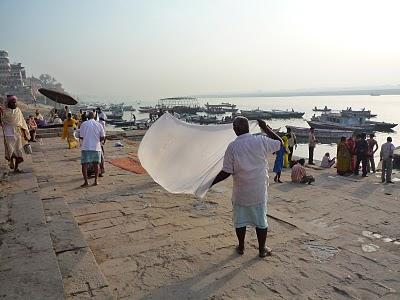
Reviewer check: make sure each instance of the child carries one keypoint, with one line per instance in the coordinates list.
(278, 166)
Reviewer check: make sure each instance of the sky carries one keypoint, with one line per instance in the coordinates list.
(153, 48)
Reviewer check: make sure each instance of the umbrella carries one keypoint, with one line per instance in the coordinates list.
(58, 97)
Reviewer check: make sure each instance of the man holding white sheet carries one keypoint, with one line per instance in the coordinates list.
(246, 160)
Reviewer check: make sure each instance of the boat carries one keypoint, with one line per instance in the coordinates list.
(382, 126)
(180, 105)
(202, 120)
(255, 114)
(358, 113)
(325, 109)
(147, 109)
(341, 121)
(222, 108)
(115, 114)
(285, 114)
(129, 108)
(320, 133)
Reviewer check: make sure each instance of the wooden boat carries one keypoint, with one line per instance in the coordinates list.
(285, 114)
(358, 113)
(223, 107)
(382, 126)
(202, 120)
(320, 133)
(255, 114)
(147, 109)
(341, 121)
(325, 109)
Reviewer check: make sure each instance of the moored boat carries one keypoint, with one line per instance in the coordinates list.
(325, 109)
(341, 121)
(255, 114)
(358, 113)
(320, 133)
(382, 126)
(285, 114)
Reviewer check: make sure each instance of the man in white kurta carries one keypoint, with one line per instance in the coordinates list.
(246, 159)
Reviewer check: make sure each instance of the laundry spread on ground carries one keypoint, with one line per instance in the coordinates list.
(183, 157)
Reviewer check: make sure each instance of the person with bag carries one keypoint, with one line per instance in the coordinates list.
(15, 131)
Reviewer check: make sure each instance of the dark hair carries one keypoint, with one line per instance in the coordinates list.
(389, 139)
(312, 128)
(371, 135)
(363, 135)
(84, 117)
(343, 139)
(302, 161)
(69, 115)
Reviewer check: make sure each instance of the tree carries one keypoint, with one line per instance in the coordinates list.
(47, 80)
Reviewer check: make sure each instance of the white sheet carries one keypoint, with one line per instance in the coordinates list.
(183, 157)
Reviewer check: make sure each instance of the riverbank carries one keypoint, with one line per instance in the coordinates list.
(335, 239)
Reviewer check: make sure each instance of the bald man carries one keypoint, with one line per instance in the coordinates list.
(246, 160)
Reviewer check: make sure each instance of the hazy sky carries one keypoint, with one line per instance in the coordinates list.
(148, 48)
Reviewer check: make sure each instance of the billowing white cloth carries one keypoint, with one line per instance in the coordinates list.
(183, 157)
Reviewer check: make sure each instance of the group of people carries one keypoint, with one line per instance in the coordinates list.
(353, 152)
(284, 160)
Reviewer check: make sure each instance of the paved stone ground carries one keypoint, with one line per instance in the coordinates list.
(28, 264)
(337, 239)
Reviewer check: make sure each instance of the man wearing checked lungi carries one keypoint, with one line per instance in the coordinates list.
(91, 134)
(246, 160)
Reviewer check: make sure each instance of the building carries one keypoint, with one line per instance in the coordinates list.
(12, 76)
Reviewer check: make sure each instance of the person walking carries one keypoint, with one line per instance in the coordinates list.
(15, 130)
(312, 142)
(292, 142)
(246, 160)
(92, 134)
(362, 155)
(387, 160)
(372, 148)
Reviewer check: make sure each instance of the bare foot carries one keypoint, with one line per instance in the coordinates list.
(94, 184)
(265, 252)
(85, 184)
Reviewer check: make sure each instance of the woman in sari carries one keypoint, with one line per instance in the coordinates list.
(69, 131)
(286, 155)
(344, 157)
(351, 145)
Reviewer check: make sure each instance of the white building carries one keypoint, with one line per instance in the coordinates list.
(11, 75)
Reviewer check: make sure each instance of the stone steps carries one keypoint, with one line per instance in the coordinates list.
(80, 272)
(48, 132)
(28, 263)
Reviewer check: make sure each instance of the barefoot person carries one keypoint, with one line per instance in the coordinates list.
(246, 159)
(16, 132)
(299, 173)
(92, 134)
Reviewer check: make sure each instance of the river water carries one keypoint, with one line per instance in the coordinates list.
(386, 107)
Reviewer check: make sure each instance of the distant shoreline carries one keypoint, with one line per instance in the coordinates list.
(376, 92)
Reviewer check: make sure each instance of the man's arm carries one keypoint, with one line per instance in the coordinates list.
(222, 175)
(377, 147)
(268, 131)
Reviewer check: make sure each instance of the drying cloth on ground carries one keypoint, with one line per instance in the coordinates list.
(183, 157)
(130, 163)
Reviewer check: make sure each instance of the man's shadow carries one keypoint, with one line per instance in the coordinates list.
(193, 288)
